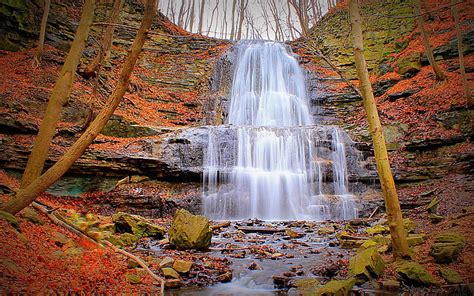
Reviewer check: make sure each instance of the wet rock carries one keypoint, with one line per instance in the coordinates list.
(173, 283)
(390, 285)
(366, 264)
(326, 230)
(450, 276)
(294, 234)
(225, 277)
(280, 281)
(306, 286)
(337, 288)
(447, 247)
(166, 262)
(182, 266)
(255, 266)
(414, 274)
(137, 225)
(31, 215)
(276, 256)
(347, 241)
(190, 231)
(169, 272)
(10, 219)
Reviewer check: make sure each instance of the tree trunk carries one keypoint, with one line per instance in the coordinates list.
(394, 214)
(201, 16)
(191, 21)
(232, 29)
(243, 6)
(44, 22)
(104, 54)
(58, 98)
(27, 194)
(426, 42)
(465, 83)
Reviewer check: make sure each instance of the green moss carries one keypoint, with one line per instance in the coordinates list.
(307, 286)
(414, 273)
(450, 276)
(366, 264)
(337, 288)
(10, 219)
(190, 231)
(447, 247)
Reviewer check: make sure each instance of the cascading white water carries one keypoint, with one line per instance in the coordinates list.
(274, 165)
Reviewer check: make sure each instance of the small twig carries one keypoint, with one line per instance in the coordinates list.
(141, 263)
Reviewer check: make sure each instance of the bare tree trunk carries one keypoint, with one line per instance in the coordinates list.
(426, 42)
(232, 30)
(243, 7)
(44, 22)
(201, 16)
(394, 213)
(465, 83)
(104, 54)
(59, 95)
(191, 22)
(181, 14)
(212, 18)
(28, 194)
(302, 14)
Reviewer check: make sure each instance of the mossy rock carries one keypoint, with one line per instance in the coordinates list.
(414, 274)
(10, 219)
(169, 272)
(29, 214)
(410, 226)
(133, 278)
(415, 239)
(307, 286)
(346, 241)
(381, 243)
(409, 65)
(139, 226)
(366, 264)
(432, 207)
(123, 240)
(435, 218)
(190, 231)
(377, 229)
(337, 288)
(447, 247)
(450, 276)
(182, 266)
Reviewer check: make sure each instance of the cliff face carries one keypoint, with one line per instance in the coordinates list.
(167, 91)
(426, 123)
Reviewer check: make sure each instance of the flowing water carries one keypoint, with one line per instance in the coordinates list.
(277, 164)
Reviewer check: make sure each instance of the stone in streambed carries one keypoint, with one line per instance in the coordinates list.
(166, 262)
(169, 272)
(139, 226)
(294, 234)
(414, 274)
(366, 264)
(190, 231)
(182, 266)
(122, 240)
(306, 286)
(337, 288)
(450, 276)
(447, 247)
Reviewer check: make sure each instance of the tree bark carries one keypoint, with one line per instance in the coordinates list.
(232, 30)
(58, 98)
(44, 22)
(104, 54)
(201, 16)
(243, 6)
(426, 42)
(27, 194)
(465, 83)
(394, 214)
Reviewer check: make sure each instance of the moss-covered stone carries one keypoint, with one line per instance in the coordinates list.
(414, 274)
(432, 207)
(381, 243)
(366, 264)
(123, 240)
(29, 214)
(410, 226)
(447, 247)
(182, 266)
(307, 286)
(133, 278)
(415, 239)
(10, 219)
(377, 229)
(169, 272)
(139, 226)
(435, 218)
(337, 288)
(410, 64)
(190, 231)
(450, 276)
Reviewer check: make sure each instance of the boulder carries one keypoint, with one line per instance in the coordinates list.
(123, 240)
(169, 272)
(139, 226)
(450, 276)
(306, 286)
(166, 262)
(29, 214)
(182, 266)
(447, 247)
(337, 288)
(366, 264)
(414, 274)
(410, 226)
(190, 231)
(415, 239)
(409, 65)
(377, 229)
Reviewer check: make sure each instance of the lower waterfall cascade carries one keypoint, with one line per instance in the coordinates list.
(277, 164)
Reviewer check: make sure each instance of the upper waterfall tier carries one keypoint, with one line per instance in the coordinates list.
(268, 87)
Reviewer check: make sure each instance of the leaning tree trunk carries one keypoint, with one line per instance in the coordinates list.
(465, 83)
(394, 214)
(44, 22)
(93, 66)
(58, 98)
(26, 195)
(426, 42)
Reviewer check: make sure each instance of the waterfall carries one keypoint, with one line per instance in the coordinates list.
(270, 161)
